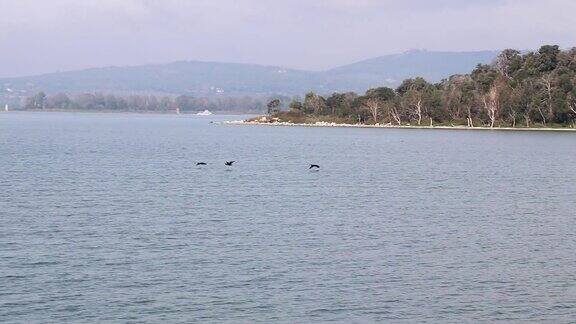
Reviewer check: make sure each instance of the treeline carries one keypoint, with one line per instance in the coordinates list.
(142, 103)
(515, 90)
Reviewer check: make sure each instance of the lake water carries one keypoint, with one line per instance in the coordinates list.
(106, 218)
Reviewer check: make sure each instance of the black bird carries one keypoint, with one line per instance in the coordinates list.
(314, 166)
(229, 163)
(201, 163)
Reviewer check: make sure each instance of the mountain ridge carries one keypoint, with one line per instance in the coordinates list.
(209, 79)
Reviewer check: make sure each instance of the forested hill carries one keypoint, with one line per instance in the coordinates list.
(208, 79)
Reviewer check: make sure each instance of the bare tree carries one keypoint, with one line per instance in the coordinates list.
(546, 81)
(394, 111)
(373, 106)
(512, 115)
(571, 100)
(458, 96)
(527, 119)
(416, 95)
(418, 105)
(571, 104)
(412, 101)
(491, 104)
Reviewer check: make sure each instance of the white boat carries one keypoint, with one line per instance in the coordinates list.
(6, 107)
(204, 113)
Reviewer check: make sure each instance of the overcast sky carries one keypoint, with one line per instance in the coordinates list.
(38, 36)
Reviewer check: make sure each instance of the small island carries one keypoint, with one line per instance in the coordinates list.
(516, 91)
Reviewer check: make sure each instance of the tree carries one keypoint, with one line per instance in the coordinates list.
(547, 58)
(37, 101)
(166, 104)
(373, 106)
(393, 108)
(314, 103)
(273, 106)
(458, 98)
(111, 102)
(567, 59)
(489, 84)
(508, 62)
(525, 103)
(571, 102)
(336, 104)
(185, 103)
(416, 95)
(546, 82)
(382, 93)
(296, 105)
(491, 101)
(376, 101)
(59, 101)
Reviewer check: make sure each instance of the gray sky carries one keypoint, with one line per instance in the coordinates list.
(38, 36)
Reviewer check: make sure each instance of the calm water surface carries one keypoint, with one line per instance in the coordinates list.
(106, 218)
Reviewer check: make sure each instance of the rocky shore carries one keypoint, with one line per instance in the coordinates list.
(265, 121)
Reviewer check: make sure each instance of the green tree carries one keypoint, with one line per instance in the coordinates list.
(547, 58)
(296, 106)
(273, 106)
(508, 62)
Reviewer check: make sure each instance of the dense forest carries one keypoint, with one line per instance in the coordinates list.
(144, 103)
(516, 90)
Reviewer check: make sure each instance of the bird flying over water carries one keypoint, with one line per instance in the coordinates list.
(229, 163)
(201, 163)
(314, 166)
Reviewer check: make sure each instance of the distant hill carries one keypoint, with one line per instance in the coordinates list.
(173, 78)
(391, 70)
(209, 79)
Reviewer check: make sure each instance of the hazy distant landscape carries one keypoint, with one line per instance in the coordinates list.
(510, 89)
(212, 80)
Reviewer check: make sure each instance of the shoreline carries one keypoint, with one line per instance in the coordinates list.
(143, 112)
(327, 124)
